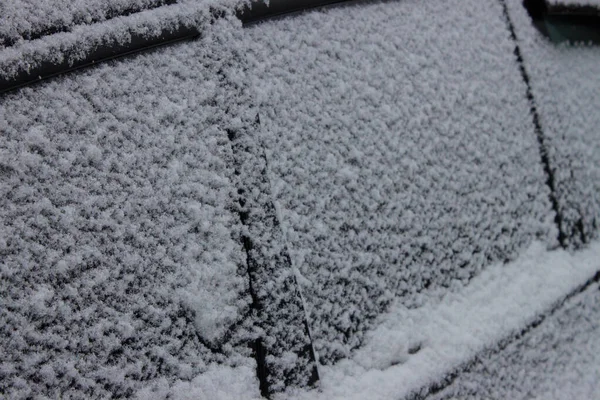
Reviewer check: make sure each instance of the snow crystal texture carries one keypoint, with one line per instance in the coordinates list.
(415, 350)
(82, 41)
(25, 19)
(560, 359)
(121, 258)
(280, 313)
(401, 151)
(565, 82)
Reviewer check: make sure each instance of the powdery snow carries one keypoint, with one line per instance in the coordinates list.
(281, 316)
(558, 360)
(218, 383)
(449, 331)
(78, 43)
(122, 266)
(401, 150)
(565, 81)
(22, 19)
(402, 160)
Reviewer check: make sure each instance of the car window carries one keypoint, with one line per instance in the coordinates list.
(389, 154)
(570, 21)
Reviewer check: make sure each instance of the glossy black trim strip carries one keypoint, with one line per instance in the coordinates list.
(572, 10)
(540, 8)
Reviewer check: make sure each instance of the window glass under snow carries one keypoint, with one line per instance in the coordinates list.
(401, 150)
(122, 265)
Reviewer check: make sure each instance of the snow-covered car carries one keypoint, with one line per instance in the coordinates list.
(225, 199)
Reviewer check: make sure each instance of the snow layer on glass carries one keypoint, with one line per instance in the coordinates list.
(402, 153)
(82, 40)
(558, 360)
(413, 349)
(122, 264)
(565, 82)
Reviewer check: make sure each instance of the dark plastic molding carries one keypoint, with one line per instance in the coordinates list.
(565, 22)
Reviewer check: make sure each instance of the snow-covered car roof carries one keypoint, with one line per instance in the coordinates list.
(364, 198)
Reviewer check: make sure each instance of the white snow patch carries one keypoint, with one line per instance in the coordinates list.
(451, 331)
(558, 359)
(77, 43)
(565, 83)
(401, 150)
(218, 383)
